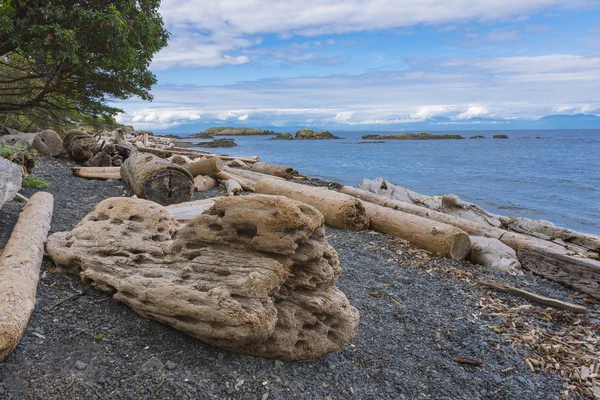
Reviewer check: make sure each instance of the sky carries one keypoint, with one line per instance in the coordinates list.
(371, 64)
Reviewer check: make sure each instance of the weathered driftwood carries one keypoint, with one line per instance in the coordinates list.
(281, 171)
(581, 273)
(205, 166)
(10, 180)
(179, 160)
(395, 192)
(185, 212)
(202, 183)
(232, 187)
(101, 173)
(247, 159)
(253, 274)
(536, 298)
(442, 239)
(237, 163)
(492, 253)
(20, 267)
(246, 184)
(48, 142)
(249, 175)
(340, 210)
(81, 146)
(156, 152)
(159, 180)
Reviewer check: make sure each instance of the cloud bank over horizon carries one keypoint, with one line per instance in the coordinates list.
(371, 63)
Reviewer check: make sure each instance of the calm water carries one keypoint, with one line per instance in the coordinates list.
(556, 178)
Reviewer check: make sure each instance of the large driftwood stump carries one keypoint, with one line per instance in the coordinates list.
(252, 274)
(340, 210)
(20, 268)
(11, 177)
(156, 179)
(48, 143)
(80, 146)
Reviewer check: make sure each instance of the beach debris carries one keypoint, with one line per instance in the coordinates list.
(20, 263)
(253, 274)
(102, 173)
(439, 238)
(340, 210)
(203, 183)
(80, 146)
(275, 170)
(232, 187)
(156, 179)
(47, 142)
(205, 166)
(468, 361)
(536, 298)
(492, 253)
(11, 177)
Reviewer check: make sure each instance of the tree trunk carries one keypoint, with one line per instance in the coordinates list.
(340, 210)
(248, 160)
(275, 170)
(20, 267)
(203, 183)
(48, 143)
(441, 239)
(102, 173)
(253, 274)
(232, 187)
(205, 166)
(156, 152)
(158, 180)
(250, 175)
(80, 146)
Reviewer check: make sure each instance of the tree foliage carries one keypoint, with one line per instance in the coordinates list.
(66, 59)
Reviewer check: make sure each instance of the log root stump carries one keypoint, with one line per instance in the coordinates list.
(48, 142)
(252, 274)
(80, 146)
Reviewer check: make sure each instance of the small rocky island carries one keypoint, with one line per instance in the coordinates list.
(477, 137)
(412, 136)
(500, 137)
(230, 131)
(218, 143)
(306, 134)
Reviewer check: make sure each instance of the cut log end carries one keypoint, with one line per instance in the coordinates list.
(461, 247)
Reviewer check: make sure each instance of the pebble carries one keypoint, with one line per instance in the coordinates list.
(153, 363)
(80, 365)
(171, 365)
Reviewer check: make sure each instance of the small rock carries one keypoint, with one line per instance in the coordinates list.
(279, 363)
(80, 365)
(220, 356)
(153, 363)
(170, 365)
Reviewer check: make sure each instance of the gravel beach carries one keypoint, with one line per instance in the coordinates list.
(418, 313)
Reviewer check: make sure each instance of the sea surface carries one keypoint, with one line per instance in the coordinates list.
(554, 178)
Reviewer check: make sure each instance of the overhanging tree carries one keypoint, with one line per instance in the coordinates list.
(63, 56)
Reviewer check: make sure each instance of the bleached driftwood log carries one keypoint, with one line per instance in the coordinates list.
(102, 173)
(253, 274)
(11, 177)
(246, 184)
(205, 166)
(156, 179)
(48, 142)
(20, 267)
(80, 146)
(340, 210)
(492, 253)
(237, 163)
(281, 171)
(399, 193)
(442, 239)
(202, 183)
(185, 212)
(232, 187)
(249, 175)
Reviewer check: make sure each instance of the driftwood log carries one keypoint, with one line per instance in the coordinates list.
(246, 184)
(253, 274)
(80, 146)
(202, 183)
(48, 142)
(280, 171)
(159, 180)
(442, 239)
(20, 267)
(185, 212)
(232, 187)
(340, 210)
(249, 175)
(492, 253)
(11, 177)
(102, 173)
(205, 166)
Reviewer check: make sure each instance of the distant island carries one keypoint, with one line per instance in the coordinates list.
(306, 134)
(412, 136)
(230, 131)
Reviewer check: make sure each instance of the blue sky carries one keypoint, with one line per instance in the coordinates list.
(366, 64)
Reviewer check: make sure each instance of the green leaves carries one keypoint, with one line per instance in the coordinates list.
(77, 55)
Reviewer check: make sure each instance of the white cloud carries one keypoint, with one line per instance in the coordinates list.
(227, 25)
(577, 109)
(427, 112)
(473, 112)
(243, 117)
(158, 118)
(344, 116)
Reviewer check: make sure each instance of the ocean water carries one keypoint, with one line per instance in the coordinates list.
(555, 178)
